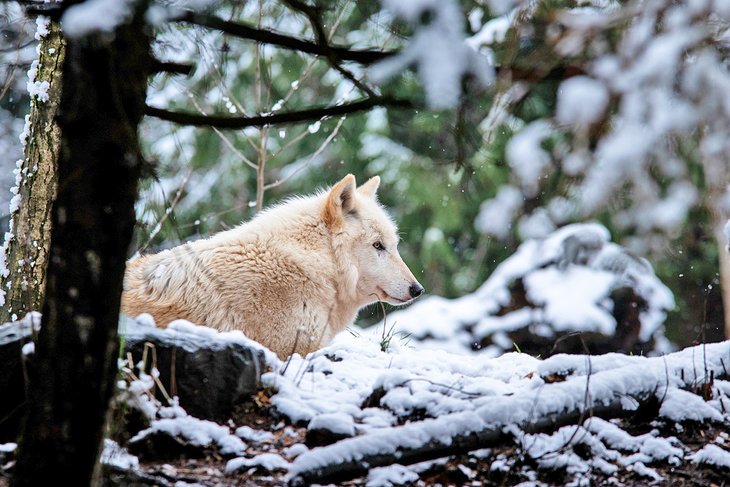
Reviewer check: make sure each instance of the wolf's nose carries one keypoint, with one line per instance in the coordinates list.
(415, 290)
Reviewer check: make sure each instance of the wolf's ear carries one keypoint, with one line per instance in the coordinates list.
(370, 188)
(340, 201)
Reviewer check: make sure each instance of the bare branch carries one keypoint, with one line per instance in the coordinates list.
(168, 212)
(282, 118)
(265, 36)
(313, 14)
(170, 67)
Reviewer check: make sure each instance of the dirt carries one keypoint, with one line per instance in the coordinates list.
(474, 469)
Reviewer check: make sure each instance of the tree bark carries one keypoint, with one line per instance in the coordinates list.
(26, 251)
(724, 262)
(102, 102)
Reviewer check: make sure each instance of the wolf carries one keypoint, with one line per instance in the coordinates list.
(290, 278)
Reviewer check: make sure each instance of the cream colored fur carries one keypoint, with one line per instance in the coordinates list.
(291, 278)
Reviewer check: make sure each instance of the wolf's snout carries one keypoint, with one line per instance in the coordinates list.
(415, 290)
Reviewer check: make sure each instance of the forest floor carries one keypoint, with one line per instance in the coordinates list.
(349, 413)
(345, 416)
(473, 469)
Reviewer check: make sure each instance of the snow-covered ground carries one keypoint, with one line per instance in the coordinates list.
(405, 399)
(566, 413)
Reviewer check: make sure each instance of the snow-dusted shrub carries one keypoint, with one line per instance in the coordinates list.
(574, 282)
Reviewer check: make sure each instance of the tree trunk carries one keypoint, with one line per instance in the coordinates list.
(724, 258)
(102, 102)
(26, 250)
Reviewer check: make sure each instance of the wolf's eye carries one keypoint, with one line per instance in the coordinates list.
(379, 245)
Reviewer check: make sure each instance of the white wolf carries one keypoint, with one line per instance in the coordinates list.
(291, 278)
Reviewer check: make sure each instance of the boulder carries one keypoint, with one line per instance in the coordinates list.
(210, 372)
(16, 347)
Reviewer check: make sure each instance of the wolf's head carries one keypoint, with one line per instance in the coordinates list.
(365, 241)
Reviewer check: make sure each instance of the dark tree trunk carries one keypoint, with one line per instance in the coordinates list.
(102, 101)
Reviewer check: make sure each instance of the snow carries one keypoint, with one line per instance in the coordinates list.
(712, 455)
(188, 335)
(197, 432)
(550, 287)
(465, 394)
(249, 434)
(116, 456)
(28, 349)
(526, 156)
(295, 450)
(95, 16)
(391, 475)
(267, 461)
(437, 49)
(495, 215)
(338, 423)
(622, 125)
(681, 405)
(353, 387)
(645, 471)
(8, 447)
(37, 89)
(537, 224)
(568, 276)
(42, 24)
(493, 31)
(581, 100)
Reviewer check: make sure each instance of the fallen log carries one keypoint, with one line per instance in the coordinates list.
(354, 457)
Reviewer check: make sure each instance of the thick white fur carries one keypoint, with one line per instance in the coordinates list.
(291, 278)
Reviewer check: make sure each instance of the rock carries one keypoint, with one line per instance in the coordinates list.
(573, 291)
(329, 428)
(210, 375)
(14, 340)
(162, 446)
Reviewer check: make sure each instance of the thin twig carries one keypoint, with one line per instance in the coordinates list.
(225, 139)
(324, 144)
(312, 13)
(168, 212)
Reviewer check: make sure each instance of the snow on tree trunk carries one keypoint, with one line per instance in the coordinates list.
(26, 244)
(70, 386)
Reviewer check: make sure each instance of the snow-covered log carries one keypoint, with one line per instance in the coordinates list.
(484, 402)
(324, 466)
